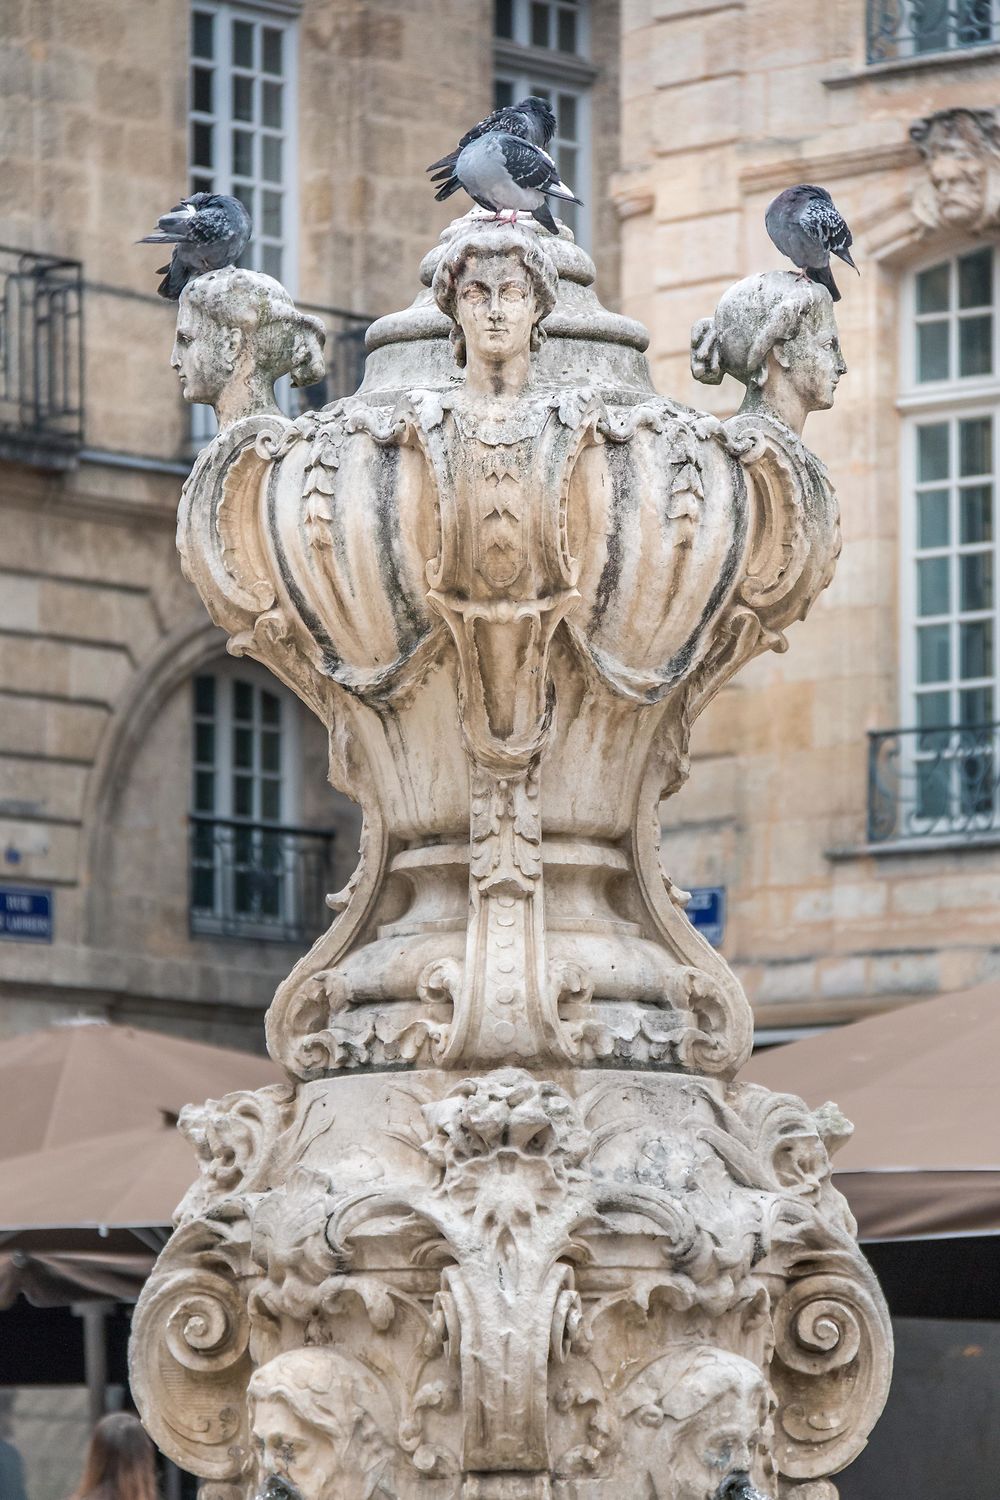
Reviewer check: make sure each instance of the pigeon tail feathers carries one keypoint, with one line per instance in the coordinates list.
(543, 214)
(175, 278)
(824, 276)
(560, 190)
(451, 186)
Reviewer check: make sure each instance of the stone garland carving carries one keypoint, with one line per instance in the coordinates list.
(512, 1230)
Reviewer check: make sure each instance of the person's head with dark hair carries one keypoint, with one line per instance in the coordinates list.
(120, 1462)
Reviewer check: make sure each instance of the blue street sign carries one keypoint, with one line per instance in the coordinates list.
(707, 911)
(25, 915)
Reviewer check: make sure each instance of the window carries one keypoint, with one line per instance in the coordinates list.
(242, 115)
(541, 47)
(951, 604)
(914, 28)
(252, 873)
(242, 119)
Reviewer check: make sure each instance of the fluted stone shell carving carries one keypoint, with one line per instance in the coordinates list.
(512, 1229)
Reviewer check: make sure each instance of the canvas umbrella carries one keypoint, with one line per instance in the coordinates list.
(920, 1085)
(74, 1081)
(91, 1166)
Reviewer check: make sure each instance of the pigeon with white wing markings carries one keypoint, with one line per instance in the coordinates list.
(806, 226)
(207, 230)
(531, 119)
(506, 174)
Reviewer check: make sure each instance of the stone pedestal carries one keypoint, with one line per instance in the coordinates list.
(513, 1229)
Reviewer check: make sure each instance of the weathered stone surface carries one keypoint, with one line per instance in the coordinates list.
(513, 1229)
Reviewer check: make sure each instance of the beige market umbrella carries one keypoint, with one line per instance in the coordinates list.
(920, 1084)
(71, 1082)
(132, 1179)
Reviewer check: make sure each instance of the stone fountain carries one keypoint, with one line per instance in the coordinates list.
(512, 1229)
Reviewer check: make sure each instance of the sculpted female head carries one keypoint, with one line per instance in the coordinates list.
(496, 284)
(776, 334)
(237, 333)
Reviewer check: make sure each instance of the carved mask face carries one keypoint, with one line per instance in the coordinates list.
(813, 358)
(722, 1440)
(202, 354)
(496, 307)
(959, 180)
(289, 1448)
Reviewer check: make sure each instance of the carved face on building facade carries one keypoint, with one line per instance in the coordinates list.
(959, 180)
(961, 152)
(695, 1418)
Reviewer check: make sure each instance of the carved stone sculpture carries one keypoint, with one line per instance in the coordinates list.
(960, 187)
(237, 333)
(514, 1230)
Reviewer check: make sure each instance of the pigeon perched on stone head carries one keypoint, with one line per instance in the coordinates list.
(531, 119)
(506, 173)
(208, 231)
(806, 226)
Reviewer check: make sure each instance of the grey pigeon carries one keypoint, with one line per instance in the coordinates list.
(806, 226)
(208, 231)
(504, 173)
(531, 119)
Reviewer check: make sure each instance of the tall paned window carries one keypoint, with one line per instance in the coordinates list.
(242, 135)
(242, 118)
(543, 47)
(951, 602)
(244, 857)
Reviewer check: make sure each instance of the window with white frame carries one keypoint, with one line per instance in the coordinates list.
(242, 118)
(951, 605)
(252, 872)
(542, 47)
(242, 135)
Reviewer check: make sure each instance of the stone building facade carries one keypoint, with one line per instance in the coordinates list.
(164, 814)
(859, 871)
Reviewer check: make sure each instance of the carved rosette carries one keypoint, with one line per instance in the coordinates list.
(511, 1230)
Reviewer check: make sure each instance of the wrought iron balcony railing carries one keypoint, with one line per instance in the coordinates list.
(41, 358)
(258, 880)
(934, 783)
(912, 28)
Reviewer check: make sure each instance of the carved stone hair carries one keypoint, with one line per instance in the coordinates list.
(322, 1388)
(751, 318)
(689, 1382)
(977, 130)
(286, 341)
(486, 241)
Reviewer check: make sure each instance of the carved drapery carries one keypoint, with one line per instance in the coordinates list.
(512, 1229)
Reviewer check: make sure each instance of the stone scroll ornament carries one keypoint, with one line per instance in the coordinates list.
(512, 1229)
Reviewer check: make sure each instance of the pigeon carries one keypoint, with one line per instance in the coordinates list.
(208, 231)
(505, 173)
(806, 226)
(531, 119)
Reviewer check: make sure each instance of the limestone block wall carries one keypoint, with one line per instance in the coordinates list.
(722, 106)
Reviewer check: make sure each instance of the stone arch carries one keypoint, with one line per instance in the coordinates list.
(179, 654)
